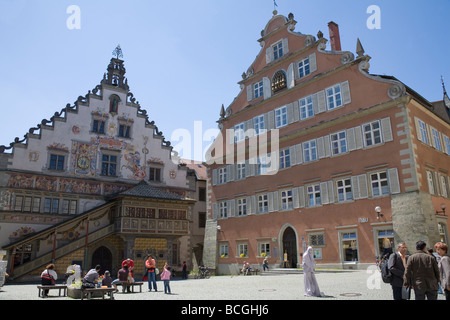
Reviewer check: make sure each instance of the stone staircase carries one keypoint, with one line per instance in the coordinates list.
(281, 271)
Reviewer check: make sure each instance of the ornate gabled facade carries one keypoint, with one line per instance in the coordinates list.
(97, 183)
(310, 147)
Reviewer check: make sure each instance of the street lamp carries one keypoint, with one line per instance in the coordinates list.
(219, 228)
(443, 206)
(378, 211)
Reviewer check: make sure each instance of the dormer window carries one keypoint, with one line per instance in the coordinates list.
(277, 50)
(258, 89)
(278, 81)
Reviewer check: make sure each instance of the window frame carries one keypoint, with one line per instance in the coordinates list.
(310, 151)
(314, 196)
(306, 107)
(305, 68)
(339, 144)
(380, 182)
(281, 119)
(372, 133)
(332, 100)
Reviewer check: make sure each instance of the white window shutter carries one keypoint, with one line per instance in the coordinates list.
(327, 146)
(346, 98)
(270, 201)
(296, 111)
(298, 153)
(230, 172)
(363, 189)
(320, 148)
(331, 196)
(290, 78)
(351, 143)
(324, 192)
(295, 198)
(215, 211)
(266, 88)
(301, 196)
(290, 113)
(269, 54)
(355, 187)
(271, 120)
(214, 177)
(249, 128)
(285, 43)
(386, 129)
(292, 155)
(321, 102)
(312, 62)
(231, 205)
(250, 92)
(358, 137)
(394, 183)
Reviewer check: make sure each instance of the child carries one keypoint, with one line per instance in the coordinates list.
(165, 276)
(107, 280)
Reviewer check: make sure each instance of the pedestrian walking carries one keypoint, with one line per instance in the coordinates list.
(444, 267)
(397, 265)
(165, 277)
(265, 264)
(422, 273)
(150, 264)
(310, 282)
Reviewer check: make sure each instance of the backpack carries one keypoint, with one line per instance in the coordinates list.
(386, 274)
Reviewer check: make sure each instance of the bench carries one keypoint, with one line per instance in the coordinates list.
(127, 285)
(52, 287)
(250, 272)
(89, 291)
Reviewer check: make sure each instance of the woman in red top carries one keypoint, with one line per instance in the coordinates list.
(150, 264)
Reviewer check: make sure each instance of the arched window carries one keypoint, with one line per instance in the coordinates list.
(278, 81)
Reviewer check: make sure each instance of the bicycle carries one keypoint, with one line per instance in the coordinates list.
(203, 273)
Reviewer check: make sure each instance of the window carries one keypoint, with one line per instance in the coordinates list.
(243, 250)
(154, 174)
(223, 250)
(338, 143)
(98, 126)
(281, 117)
(285, 161)
(263, 203)
(447, 144)
(334, 98)
(303, 68)
(306, 108)
(278, 50)
(109, 165)
(314, 195)
(349, 247)
(278, 81)
(51, 205)
(316, 239)
(423, 132)
(242, 206)
(201, 194)
(258, 124)
(262, 165)
(239, 133)
(310, 150)
(23, 254)
(264, 247)
(436, 139)
(431, 183)
(379, 183)
(372, 133)
(56, 162)
(124, 131)
(223, 209)
(258, 89)
(222, 175)
(202, 219)
(69, 206)
(444, 186)
(240, 171)
(344, 190)
(286, 200)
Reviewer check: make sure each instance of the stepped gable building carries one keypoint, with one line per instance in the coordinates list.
(312, 144)
(95, 184)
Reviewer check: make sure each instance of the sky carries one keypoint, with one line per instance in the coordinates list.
(184, 59)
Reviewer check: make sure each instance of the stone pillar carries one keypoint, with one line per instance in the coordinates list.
(210, 245)
(413, 218)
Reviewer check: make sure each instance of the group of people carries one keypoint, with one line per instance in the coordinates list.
(422, 271)
(124, 275)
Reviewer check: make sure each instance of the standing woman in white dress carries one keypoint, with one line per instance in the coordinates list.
(311, 286)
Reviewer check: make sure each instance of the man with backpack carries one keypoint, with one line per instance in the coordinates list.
(396, 266)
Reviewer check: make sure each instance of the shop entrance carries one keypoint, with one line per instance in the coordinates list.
(289, 248)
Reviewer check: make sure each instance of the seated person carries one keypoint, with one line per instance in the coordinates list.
(122, 277)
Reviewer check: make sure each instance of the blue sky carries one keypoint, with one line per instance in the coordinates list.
(184, 58)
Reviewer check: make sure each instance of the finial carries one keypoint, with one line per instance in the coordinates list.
(117, 52)
(275, 12)
(359, 48)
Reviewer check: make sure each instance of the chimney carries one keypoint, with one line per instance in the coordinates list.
(335, 39)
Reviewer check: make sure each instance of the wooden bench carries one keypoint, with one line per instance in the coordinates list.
(89, 291)
(126, 285)
(52, 287)
(250, 272)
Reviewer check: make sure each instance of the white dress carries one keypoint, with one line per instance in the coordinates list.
(311, 285)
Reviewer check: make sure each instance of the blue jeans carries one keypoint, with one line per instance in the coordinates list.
(151, 279)
(167, 286)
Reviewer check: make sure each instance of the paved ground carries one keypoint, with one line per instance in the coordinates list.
(335, 285)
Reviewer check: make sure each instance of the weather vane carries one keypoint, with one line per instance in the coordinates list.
(117, 52)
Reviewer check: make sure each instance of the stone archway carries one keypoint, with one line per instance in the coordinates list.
(103, 257)
(289, 247)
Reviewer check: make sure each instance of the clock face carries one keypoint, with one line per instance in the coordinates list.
(83, 162)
